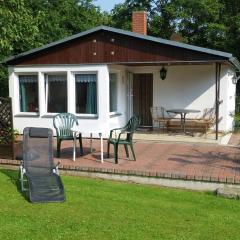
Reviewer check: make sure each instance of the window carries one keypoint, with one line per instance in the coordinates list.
(113, 92)
(86, 93)
(56, 93)
(28, 92)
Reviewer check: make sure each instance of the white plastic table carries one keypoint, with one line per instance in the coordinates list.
(79, 129)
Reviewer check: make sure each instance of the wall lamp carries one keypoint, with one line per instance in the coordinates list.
(163, 73)
(235, 78)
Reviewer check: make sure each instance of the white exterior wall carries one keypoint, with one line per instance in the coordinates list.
(120, 118)
(230, 99)
(193, 87)
(188, 86)
(44, 119)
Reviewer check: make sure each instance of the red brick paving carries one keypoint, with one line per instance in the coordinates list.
(170, 160)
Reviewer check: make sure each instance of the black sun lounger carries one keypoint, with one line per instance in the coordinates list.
(44, 182)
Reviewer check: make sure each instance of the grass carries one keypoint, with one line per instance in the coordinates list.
(99, 209)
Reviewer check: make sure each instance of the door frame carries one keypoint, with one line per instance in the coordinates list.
(129, 94)
(130, 90)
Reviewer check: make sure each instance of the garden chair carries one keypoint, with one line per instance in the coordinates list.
(116, 137)
(161, 116)
(43, 178)
(63, 123)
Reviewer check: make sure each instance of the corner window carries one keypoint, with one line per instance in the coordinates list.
(28, 93)
(113, 92)
(86, 93)
(56, 93)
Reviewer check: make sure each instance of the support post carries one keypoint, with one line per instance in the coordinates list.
(217, 96)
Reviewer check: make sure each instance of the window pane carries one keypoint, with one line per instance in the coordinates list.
(28, 88)
(86, 93)
(113, 92)
(56, 93)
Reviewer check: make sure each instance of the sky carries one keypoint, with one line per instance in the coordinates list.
(107, 5)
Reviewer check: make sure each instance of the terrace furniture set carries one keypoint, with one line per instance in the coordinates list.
(67, 128)
(38, 168)
(169, 122)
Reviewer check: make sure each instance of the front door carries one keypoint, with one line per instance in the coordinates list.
(143, 97)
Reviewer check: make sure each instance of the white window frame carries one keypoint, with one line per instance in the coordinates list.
(117, 86)
(17, 74)
(46, 89)
(84, 115)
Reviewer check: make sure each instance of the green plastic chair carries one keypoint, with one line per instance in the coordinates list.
(63, 123)
(129, 130)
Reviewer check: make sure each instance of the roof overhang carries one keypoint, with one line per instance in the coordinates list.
(228, 57)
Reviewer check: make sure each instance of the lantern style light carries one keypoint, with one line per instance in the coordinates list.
(235, 78)
(163, 73)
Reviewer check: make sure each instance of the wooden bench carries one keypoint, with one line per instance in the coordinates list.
(169, 123)
(191, 125)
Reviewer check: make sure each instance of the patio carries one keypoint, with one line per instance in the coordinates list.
(191, 137)
(191, 161)
(202, 161)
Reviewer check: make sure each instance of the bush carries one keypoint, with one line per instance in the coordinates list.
(237, 122)
(8, 135)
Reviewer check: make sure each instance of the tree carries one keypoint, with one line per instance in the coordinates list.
(26, 24)
(18, 31)
(58, 19)
(231, 18)
(200, 22)
(207, 23)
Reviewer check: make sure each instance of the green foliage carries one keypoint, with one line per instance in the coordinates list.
(60, 18)
(207, 23)
(17, 26)
(26, 24)
(3, 81)
(200, 22)
(9, 136)
(18, 29)
(237, 113)
(238, 101)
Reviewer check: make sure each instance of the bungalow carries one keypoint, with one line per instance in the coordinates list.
(105, 75)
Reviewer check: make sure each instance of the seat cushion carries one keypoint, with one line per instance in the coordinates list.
(121, 141)
(46, 188)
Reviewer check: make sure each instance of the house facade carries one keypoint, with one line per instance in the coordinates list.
(105, 75)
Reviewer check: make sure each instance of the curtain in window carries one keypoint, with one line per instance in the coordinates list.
(57, 78)
(113, 92)
(23, 98)
(91, 98)
(56, 93)
(25, 81)
(89, 80)
(60, 79)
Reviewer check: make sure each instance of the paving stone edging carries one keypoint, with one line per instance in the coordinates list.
(137, 173)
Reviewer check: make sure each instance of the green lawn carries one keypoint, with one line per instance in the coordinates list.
(99, 209)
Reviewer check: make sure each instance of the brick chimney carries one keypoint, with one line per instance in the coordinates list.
(139, 22)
